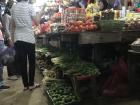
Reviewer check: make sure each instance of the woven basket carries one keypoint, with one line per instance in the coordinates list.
(111, 25)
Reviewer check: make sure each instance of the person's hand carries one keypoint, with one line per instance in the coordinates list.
(10, 43)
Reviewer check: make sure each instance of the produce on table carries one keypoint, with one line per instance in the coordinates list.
(41, 50)
(132, 23)
(90, 25)
(80, 26)
(73, 65)
(56, 18)
(73, 14)
(40, 57)
(61, 93)
(70, 65)
(49, 73)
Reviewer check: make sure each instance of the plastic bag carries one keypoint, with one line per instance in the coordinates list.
(7, 56)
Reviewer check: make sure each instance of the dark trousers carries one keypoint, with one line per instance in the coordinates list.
(25, 51)
(11, 69)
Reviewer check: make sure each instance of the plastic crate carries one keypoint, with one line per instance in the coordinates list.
(51, 97)
(111, 25)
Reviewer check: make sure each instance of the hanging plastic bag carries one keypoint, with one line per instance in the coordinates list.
(7, 56)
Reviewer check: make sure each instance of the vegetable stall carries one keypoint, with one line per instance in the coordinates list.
(85, 48)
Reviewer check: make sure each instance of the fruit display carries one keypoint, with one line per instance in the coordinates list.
(72, 14)
(56, 17)
(132, 24)
(57, 27)
(42, 28)
(90, 25)
(75, 26)
(61, 94)
(47, 26)
(91, 9)
(80, 26)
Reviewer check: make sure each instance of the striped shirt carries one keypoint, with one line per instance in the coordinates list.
(21, 14)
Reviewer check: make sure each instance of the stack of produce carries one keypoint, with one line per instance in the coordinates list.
(61, 94)
(80, 26)
(73, 14)
(92, 9)
(56, 17)
(40, 58)
(57, 27)
(75, 66)
(132, 24)
(42, 28)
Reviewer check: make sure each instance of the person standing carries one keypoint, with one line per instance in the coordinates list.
(7, 26)
(2, 8)
(24, 40)
(2, 86)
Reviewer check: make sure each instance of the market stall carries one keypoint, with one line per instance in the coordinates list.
(99, 35)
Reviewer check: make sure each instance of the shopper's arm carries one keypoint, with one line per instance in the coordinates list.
(13, 29)
(6, 24)
(38, 16)
(11, 39)
(13, 24)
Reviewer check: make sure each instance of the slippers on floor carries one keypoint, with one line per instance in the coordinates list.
(25, 88)
(34, 87)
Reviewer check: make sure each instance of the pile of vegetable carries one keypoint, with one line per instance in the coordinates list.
(40, 58)
(61, 93)
(73, 65)
(68, 64)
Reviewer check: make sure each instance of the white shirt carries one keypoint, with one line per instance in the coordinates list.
(21, 14)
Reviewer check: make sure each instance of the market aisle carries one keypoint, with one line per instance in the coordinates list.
(16, 96)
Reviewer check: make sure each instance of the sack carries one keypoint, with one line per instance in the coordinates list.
(7, 56)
